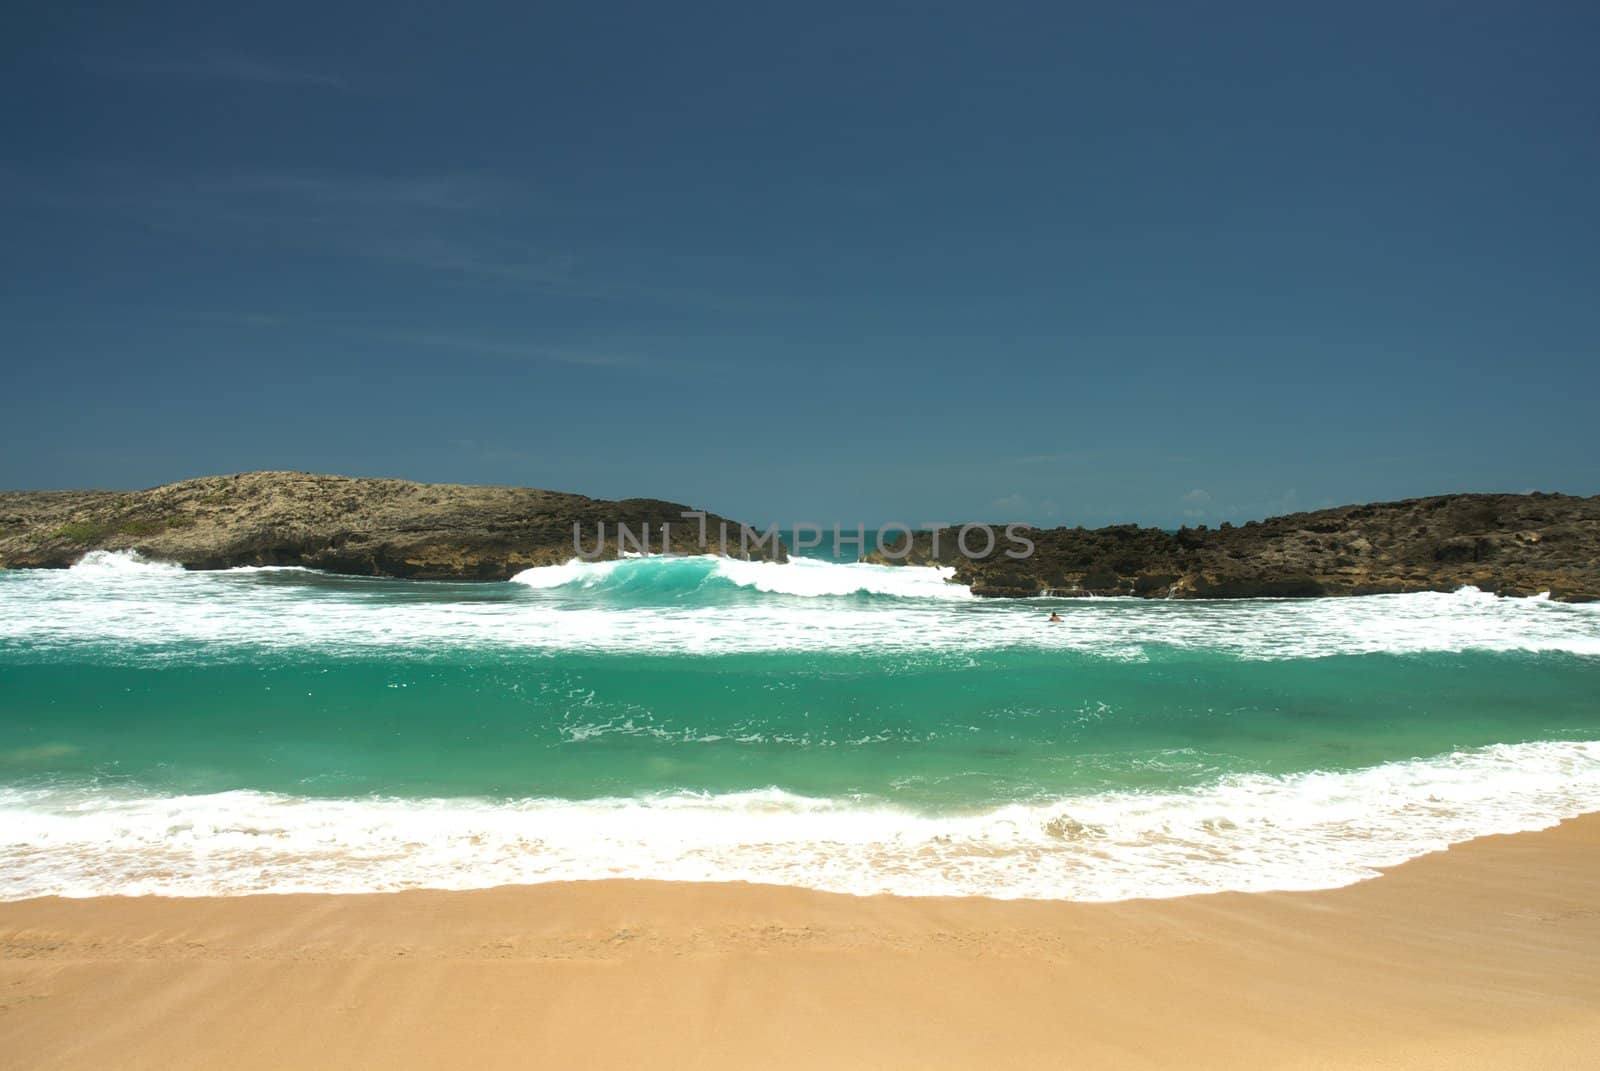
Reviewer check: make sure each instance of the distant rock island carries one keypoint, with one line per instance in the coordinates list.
(364, 527)
(1507, 544)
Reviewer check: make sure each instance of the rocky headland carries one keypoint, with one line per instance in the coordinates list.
(365, 527)
(1507, 544)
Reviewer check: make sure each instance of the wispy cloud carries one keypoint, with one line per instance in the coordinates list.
(486, 258)
(592, 353)
(495, 453)
(444, 223)
(477, 344)
(445, 193)
(1196, 503)
(227, 68)
(471, 227)
(1076, 457)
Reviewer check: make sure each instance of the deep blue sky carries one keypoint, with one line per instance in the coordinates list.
(1058, 263)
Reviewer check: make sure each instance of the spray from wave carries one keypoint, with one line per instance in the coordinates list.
(111, 564)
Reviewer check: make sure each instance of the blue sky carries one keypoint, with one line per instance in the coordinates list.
(1054, 263)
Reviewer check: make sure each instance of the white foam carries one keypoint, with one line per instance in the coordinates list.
(811, 578)
(114, 563)
(573, 572)
(802, 577)
(147, 609)
(1249, 833)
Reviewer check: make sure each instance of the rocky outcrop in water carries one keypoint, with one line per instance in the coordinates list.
(367, 527)
(1508, 544)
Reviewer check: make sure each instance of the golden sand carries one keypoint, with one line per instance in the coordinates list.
(1487, 955)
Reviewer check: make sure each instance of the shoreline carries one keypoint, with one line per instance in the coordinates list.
(1485, 954)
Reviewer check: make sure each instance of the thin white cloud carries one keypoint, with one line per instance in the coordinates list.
(491, 347)
(1074, 457)
(495, 453)
(1014, 504)
(593, 354)
(242, 69)
(447, 193)
(488, 258)
(226, 68)
(471, 227)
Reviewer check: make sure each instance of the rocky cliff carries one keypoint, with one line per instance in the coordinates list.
(1509, 544)
(368, 527)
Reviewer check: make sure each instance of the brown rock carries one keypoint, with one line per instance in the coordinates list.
(368, 527)
(1504, 543)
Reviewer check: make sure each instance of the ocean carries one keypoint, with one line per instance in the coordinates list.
(845, 727)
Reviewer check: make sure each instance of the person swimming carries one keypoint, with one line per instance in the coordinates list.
(1054, 616)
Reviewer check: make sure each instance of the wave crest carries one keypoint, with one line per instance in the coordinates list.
(801, 577)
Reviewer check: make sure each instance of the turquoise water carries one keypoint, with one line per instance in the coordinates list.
(849, 727)
(936, 732)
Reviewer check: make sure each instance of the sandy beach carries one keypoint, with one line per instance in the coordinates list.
(1486, 955)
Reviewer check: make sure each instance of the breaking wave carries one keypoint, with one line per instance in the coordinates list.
(711, 606)
(1247, 833)
(801, 577)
